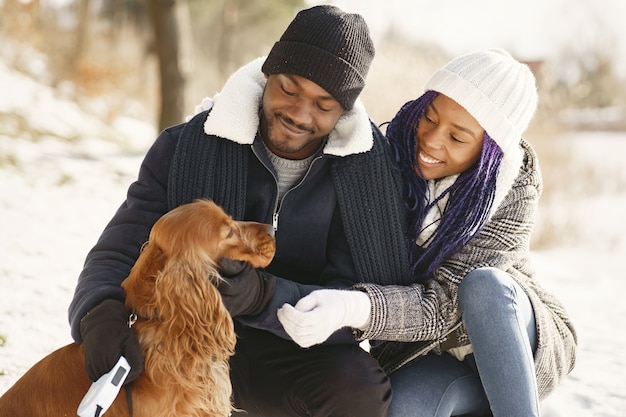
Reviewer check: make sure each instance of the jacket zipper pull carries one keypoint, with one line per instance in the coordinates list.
(275, 221)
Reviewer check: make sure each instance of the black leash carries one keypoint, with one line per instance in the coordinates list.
(129, 398)
(132, 318)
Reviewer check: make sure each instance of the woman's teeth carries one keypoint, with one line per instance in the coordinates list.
(428, 159)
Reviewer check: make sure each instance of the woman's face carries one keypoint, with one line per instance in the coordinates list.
(449, 139)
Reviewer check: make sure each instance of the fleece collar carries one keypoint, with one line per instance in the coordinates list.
(235, 114)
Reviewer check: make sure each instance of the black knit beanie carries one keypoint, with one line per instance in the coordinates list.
(327, 46)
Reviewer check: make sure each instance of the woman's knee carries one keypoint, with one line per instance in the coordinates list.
(487, 293)
(482, 286)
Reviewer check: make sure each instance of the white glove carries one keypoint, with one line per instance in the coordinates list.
(318, 315)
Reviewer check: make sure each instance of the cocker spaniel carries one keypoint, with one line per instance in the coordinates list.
(185, 333)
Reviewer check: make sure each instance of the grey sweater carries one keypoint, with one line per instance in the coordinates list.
(411, 321)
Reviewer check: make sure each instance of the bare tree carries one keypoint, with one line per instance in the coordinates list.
(166, 29)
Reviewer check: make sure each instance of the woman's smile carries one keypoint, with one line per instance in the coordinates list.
(427, 159)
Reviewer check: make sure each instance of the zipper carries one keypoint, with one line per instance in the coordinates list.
(277, 202)
(275, 221)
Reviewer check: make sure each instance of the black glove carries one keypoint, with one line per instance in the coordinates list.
(106, 337)
(245, 290)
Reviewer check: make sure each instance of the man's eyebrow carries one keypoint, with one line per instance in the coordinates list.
(461, 128)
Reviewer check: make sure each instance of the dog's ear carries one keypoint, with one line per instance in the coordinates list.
(190, 306)
(140, 282)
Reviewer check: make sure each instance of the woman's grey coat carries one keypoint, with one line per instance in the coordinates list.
(421, 318)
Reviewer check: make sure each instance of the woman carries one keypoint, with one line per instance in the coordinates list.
(474, 333)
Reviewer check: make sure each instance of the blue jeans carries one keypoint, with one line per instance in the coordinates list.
(499, 377)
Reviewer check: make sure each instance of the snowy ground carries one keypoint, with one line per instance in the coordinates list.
(56, 196)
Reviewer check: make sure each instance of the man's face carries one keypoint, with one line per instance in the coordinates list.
(297, 115)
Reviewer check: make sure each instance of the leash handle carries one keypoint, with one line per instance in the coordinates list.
(102, 393)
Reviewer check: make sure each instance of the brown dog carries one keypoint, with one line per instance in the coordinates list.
(186, 334)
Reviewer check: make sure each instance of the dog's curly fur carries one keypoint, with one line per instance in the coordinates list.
(186, 334)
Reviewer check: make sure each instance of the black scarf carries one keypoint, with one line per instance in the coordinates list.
(368, 192)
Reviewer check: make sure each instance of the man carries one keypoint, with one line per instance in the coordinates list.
(285, 142)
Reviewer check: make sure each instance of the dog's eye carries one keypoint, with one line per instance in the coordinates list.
(231, 232)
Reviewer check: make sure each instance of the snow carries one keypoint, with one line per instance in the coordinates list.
(62, 183)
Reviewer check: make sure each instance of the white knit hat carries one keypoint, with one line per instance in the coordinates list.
(500, 93)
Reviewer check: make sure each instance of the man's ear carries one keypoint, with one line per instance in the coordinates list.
(267, 76)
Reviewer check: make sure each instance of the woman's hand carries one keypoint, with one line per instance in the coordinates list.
(318, 315)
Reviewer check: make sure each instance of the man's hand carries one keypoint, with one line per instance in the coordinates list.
(318, 315)
(245, 290)
(107, 336)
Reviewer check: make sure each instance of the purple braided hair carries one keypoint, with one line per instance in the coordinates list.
(470, 197)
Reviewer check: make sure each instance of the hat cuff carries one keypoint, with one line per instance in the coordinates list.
(486, 113)
(332, 73)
